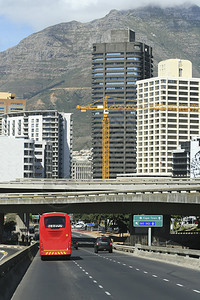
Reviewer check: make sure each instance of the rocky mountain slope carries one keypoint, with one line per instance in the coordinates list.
(52, 68)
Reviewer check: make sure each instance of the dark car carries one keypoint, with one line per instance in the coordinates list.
(103, 243)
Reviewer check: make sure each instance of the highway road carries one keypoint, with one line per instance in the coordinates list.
(106, 275)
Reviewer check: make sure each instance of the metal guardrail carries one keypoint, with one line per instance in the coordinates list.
(180, 256)
(168, 250)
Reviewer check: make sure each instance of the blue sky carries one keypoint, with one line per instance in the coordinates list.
(20, 18)
(11, 33)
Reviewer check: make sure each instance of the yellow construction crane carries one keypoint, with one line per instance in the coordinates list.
(105, 126)
(105, 120)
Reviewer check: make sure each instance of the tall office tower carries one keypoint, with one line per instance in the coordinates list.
(9, 103)
(116, 66)
(160, 131)
(50, 126)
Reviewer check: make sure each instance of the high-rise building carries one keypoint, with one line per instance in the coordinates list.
(48, 125)
(162, 130)
(116, 66)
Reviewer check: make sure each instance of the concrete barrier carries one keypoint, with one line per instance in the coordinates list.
(184, 257)
(13, 268)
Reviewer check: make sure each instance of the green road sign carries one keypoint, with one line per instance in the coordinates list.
(147, 220)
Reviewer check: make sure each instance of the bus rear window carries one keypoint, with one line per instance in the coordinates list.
(54, 222)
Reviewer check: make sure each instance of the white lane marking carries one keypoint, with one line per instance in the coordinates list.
(4, 254)
(107, 293)
(145, 272)
(94, 281)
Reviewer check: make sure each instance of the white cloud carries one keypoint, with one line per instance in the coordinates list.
(43, 13)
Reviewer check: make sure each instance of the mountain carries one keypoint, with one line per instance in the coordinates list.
(52, 68)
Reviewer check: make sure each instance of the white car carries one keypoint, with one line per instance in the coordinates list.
(80, 226)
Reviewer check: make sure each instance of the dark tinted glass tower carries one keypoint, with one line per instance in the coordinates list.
(116, 66)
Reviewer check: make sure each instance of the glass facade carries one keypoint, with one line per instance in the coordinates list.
(123, 63)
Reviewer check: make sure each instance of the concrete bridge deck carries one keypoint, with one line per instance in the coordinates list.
(138, 195)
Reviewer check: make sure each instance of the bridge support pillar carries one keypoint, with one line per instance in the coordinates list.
(137, 235)
(162, 233)
(1, 226)
(24, 220)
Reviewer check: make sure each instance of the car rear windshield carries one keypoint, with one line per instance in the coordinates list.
(54, 222)
(104, 239)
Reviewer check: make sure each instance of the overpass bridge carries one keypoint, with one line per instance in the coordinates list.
(161, 196)
(133, 196)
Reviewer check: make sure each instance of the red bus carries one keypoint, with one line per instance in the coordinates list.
(55, 235)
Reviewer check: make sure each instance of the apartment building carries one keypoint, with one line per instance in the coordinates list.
(44, 126)
(161, 128)
(116, 66)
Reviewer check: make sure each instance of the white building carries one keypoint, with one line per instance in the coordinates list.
(82, 165)
(44, 126)
(43, 159)
(16, 158)
(161, 130)
(23, 158)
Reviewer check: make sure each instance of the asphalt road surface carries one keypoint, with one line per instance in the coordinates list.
(107, 276)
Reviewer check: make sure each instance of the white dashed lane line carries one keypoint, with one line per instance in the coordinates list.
(145, 272)
(196, 291)
(89, 276)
